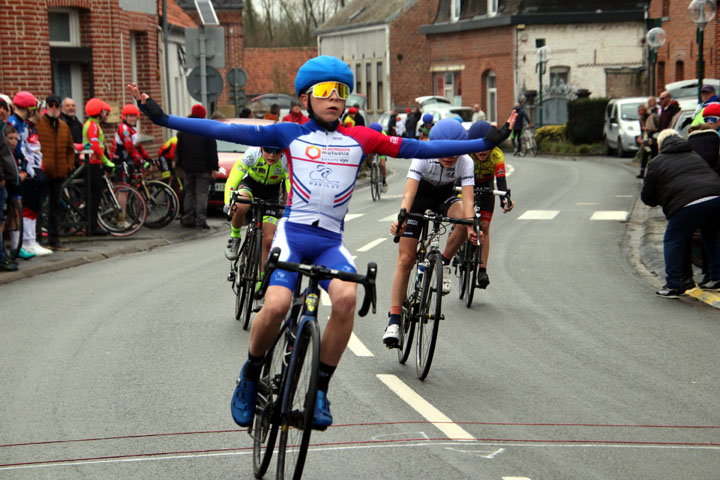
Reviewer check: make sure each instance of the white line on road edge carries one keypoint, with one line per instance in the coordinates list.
(424, 408)
(372, 244)
(539, 215)
(609, 215)
(358, 348)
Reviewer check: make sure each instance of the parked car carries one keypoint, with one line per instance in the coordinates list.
(282, 99)
(441, 110)
(621, 126)
(228, 154)
(689, 88)
(431, 99)
(682, 120)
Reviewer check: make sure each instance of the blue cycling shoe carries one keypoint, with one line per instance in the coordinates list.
(243, 401)
(323, 417)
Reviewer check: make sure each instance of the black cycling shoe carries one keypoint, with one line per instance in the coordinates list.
(483, 280)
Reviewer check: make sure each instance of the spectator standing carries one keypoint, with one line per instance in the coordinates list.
(517, 127)
(274, 113)
(647, 140)
(197, 156)
(400, 126)
(392, 122)
(94, 139)
(296, 115)
(670, 108)
(428, 121)
(359, 120)
(29, 156)
(688, 190)
(8, 175)
(478, 114)
(412, 121)
(653, 106)
(68, 115)
(246, 113)
(13, 188)
(57, 162)
(349, 120)
(5, 112)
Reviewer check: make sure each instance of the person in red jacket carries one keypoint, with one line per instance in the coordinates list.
(296, 115)
(129, 154)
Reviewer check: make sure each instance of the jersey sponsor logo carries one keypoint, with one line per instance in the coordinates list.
(313, 152)
(395, 140)
(321, 177)
(337, 154)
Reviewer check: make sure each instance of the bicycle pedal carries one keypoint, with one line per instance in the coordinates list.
(257, 308)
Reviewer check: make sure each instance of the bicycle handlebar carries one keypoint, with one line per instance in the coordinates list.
(487, 191)
(319, 272)
(430, 216)
(236, 198)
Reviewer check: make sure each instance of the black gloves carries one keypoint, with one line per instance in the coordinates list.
(498, 135)
(152, 110)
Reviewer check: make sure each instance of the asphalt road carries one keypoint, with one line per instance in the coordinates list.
(566, 367)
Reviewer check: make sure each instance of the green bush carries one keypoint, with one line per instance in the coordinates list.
(550, 133)
(585, 120)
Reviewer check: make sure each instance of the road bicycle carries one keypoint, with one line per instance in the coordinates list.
(74, 206)
(375, 177)
(528, 143)
(161, 200)
(287, 389)
(422, 306)
(12, 230)
(468, 258)
(245, 269)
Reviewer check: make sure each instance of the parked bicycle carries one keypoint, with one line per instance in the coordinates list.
(288, 384)
(12, 228)
(422, 306)
(375, 177)
(162, 202)
(468, 258)
(74, 206)
(245, 269)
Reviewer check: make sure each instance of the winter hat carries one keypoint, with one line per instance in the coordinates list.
(198, 111)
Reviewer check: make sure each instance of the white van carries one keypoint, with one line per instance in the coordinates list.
(622, 125)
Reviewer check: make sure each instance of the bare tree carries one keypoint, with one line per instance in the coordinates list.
(288, 22)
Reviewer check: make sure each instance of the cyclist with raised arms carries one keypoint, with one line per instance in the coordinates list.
(489, 167)
(324, 158)
(431, 185)
(260, 173)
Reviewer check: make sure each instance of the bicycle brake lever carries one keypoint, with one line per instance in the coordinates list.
(269, 267)
(401, 219)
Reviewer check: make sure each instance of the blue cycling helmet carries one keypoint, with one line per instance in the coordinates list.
(376, 126)
(428, 118)
(479, 130)
(448, 129)
(323, 69)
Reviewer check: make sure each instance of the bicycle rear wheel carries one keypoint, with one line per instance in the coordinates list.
(266, 423)
(13, 232)
(462, 270)
(299, 403)
(472, 260)
(109, 210)
(408, 315)
(533, 147)
(162, 204)
(429, 316)
(241, 265)
(374, 182)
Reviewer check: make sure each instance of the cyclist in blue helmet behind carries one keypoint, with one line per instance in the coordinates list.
(378, 128)
(427, 124)
(431, 185)
(324, 158)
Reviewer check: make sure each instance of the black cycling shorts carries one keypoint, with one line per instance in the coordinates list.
(429, 197)
(486, 202)
(269, 193)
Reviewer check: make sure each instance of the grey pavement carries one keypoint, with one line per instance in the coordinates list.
(646, 227)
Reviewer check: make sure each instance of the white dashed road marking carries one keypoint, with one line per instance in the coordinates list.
(618, 215)
(389, 218)
(358, 348)
(350, 216)
(539, 215)
(372, 244)
(424, 408)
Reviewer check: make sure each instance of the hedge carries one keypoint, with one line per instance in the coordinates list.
(585, 120)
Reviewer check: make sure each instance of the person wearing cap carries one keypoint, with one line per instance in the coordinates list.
(688, 190)
(198, 158)
(58, 161)
(428, 121)
(707, 97)
(324, 158)
(349, 121)
(411, 122)
(648, 143)
(296, 115)
(29, 157)
(68, 112)
(97, 111)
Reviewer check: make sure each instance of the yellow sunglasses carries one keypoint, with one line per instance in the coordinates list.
(325, 89)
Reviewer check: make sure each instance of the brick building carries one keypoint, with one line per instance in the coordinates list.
(84, 48)
(677, 59)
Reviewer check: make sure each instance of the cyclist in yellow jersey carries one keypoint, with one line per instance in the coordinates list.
(260, 173)
(489, 167)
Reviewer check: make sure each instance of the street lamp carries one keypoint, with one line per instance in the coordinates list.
(701, 12)
(544, 54)
(655, 39)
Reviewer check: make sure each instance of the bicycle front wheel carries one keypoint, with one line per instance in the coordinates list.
(374, 182)
(472, 260)
(266, 423)
(162, 204)
(299, 403)
(430, 312)
(109, 212)
(241, 268)
(408, 314)
(251, 277)
(13, 233)
(533, 147)
(462, 270)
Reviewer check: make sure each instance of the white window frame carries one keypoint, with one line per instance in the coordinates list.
(492, 8)
(74, 27)
(455, 9)
(491, 97)
(559, 70)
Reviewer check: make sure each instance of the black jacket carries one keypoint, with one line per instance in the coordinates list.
(8, 168)
(75, 125)
(678, 176)
(196, 154)
(706, 143)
